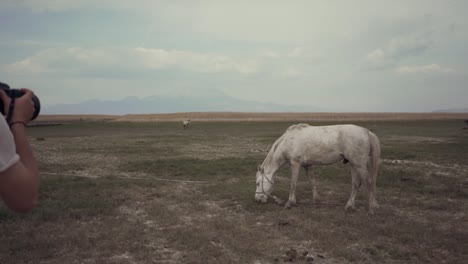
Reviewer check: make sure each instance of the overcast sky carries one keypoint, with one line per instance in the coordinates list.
(363, 55)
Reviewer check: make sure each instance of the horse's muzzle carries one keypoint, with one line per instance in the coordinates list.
(261, 198)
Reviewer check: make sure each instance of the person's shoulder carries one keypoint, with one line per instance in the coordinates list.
(6, 138)
(8, 156)
(3, 125)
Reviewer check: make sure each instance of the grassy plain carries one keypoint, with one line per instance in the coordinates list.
(105, 199)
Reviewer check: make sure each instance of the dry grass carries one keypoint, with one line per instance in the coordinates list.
(233, 116)
(126, 215)
(70, 118)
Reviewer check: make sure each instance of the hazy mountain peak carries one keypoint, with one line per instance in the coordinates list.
(187, 92)
(131, 99)
(174, 100)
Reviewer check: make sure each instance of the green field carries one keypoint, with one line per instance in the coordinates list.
(106, 198)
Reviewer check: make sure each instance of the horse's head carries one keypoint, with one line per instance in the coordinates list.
(264, 186)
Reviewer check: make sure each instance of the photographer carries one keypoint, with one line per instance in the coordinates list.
(19, 175)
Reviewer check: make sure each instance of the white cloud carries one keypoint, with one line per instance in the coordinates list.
(292, 72)
(62, 60)
(376, 55)
(305, 52)
(377, 59)
(297, 52)
(27, 66)
(198, 62)
(77, 59)
(396, 50)
(408, 46)
(270, 54)
(424, 69)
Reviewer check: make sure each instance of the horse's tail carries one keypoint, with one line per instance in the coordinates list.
(374, 158)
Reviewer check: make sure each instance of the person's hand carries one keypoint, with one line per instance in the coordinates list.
(24, 106)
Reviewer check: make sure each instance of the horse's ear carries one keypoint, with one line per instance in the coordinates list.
(260, 168)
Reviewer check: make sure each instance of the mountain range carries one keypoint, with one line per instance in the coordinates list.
(171, 102)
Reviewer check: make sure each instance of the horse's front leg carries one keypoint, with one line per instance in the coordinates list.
(295, 169)
(313, 181)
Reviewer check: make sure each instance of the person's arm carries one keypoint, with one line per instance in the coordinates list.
(19, 184)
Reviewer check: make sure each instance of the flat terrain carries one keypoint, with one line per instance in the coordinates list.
(151, 192)
(241, 117)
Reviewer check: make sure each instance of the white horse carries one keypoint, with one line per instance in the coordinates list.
(304, 146)
(186, 123)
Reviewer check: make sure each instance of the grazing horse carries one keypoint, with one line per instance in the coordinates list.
(186, 123)
(305, 146)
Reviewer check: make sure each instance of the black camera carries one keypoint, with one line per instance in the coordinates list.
(15, 93)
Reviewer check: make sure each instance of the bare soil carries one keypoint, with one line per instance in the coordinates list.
(151, 192)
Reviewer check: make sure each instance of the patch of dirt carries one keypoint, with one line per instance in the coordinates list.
(136, 213)
(124, 258)
(303, 252)
(454, 170)
(418, 139)
(229, 147)
(91, 160)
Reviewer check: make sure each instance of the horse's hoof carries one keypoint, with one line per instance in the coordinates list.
(350, 208)
(372, 208)
(316, 201)
(288, 205)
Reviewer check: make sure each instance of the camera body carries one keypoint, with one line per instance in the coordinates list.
(15, 93)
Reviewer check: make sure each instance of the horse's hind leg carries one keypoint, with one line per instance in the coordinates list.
(373, 204)
(295, 169)
(313, 181)
(356, 173)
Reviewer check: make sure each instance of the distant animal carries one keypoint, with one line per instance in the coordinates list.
(185, 123)
(306, 146)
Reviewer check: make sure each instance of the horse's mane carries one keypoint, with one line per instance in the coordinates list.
(297, 127)
(273, 149)
(277, 142)
(291, 128)
(280, 139)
